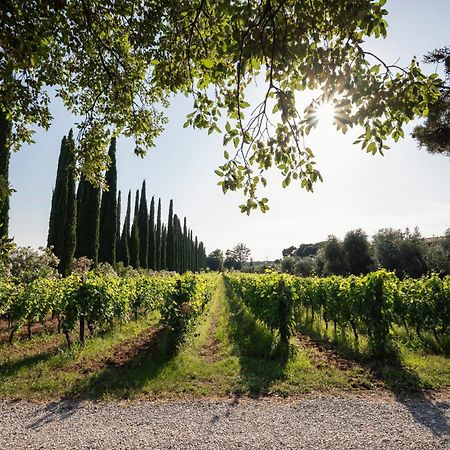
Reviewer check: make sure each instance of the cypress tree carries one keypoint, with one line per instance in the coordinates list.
(70, 240)
(202, 256)
(176, 260)
(185, 249)
(191, 251)
(62, 226)
(196, 255)
(188, 250)
(5, 154)
(158, 237)
(134, 238)
(143, 229)
(59, 195)
(164, 248)
(108, 211)
(88, 220)
(125, 238)
(151, 237)
(136, 204)
(170, 250)
(80, 195)
(118, 214)
(179, 247)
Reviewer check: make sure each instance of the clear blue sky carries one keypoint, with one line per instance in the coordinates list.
(406, 187)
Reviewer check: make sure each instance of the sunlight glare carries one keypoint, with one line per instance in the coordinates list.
(325, 114)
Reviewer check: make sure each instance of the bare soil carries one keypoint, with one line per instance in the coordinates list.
(122, 355)
(210, 350)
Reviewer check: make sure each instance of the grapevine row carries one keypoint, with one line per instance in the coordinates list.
(368, 305)
(99, 301)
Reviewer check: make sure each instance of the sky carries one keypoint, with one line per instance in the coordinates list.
(407, 187)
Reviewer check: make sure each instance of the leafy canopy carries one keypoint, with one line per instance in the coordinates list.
(434, 134)
(115, 63)
(237, 256)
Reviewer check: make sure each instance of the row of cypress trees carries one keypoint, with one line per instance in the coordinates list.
(87, 223)
(148, 243)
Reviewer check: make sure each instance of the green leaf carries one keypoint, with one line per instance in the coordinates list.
(372, 148)
(208, 63)
(375, 69)
(256, 64)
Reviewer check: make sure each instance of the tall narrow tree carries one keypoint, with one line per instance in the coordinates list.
(88, 220)
(118, 220)
(59, 196)
(179, 238)
(151, 237)
(70, 239)
(125, 237)
(143, 228)
(5, 154)
(62, 226)
(164, 248)
(202, 256)
(179, 246)
(170, 245)
(191, 246)
(134, 238)
(158, 261)
(176, 266)
(185, 249)
(108, 211)
(196, 255)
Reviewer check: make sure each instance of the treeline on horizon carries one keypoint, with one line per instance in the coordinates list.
(86, 222)
(406, 253)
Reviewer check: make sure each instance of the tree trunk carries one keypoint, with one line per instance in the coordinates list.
(355, 332)
(438, 340)
(82, 321)
(283, 313)
(69, 343)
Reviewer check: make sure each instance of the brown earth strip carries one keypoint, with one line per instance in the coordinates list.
(210, 349)
(124, 353)
(50, 326)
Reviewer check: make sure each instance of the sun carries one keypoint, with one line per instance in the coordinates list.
(325, 114)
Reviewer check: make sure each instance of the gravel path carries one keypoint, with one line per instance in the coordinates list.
(322, 423)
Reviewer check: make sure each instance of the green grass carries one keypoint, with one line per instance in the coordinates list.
(44, 367)
(227, 353)
(415, 365)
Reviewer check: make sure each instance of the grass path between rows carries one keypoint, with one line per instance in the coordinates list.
(228, 353)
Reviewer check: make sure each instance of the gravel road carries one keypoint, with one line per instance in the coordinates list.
(322, 423)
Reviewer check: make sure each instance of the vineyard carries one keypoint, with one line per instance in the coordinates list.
(375, 305)
(98, 302)
(97, 334)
